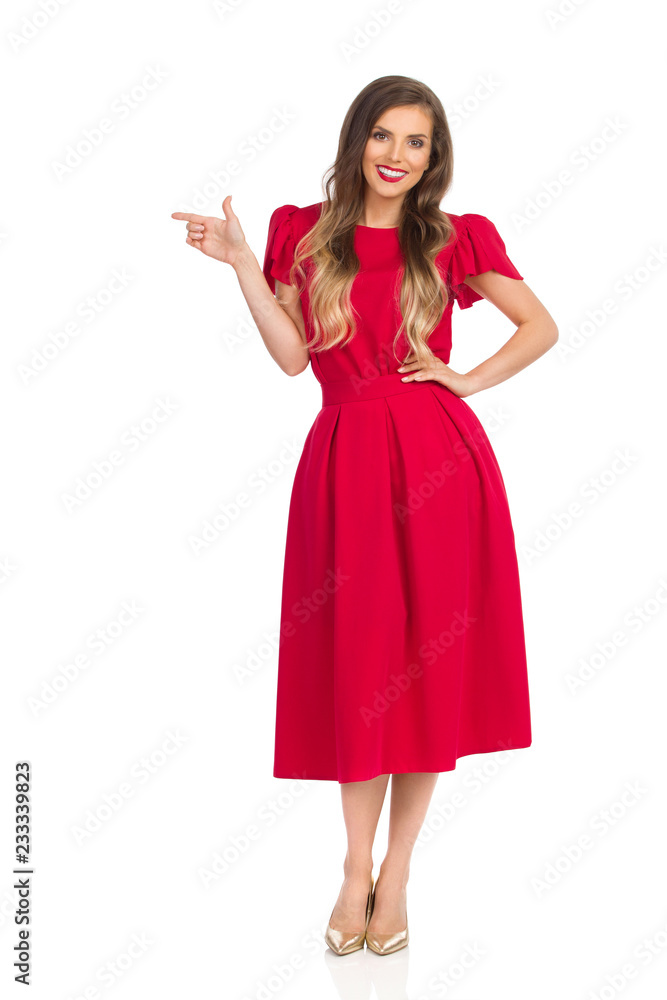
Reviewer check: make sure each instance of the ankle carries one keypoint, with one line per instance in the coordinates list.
(394, 873)
(357, 868)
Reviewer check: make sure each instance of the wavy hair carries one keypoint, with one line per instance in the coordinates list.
(424, 229)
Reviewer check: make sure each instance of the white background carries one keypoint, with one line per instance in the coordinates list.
(528, 96)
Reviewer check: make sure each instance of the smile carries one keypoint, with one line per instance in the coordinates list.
(387, 174)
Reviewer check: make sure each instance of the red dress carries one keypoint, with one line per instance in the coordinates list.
(402, 644)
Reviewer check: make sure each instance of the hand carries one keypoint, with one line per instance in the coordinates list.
(222, 239)
(438, 371)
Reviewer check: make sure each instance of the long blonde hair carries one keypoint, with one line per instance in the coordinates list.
(423, 230)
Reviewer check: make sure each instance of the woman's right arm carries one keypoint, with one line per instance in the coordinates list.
(279, 319)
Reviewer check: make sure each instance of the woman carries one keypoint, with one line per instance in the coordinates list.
(402, 644)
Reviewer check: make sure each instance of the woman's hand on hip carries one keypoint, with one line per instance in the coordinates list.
(438, 371)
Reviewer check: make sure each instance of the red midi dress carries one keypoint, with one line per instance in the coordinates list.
(401, 637)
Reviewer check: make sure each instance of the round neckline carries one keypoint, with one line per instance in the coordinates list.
(378, 229)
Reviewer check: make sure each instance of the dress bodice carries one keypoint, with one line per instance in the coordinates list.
(475, 247)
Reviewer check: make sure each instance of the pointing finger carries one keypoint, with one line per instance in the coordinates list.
(186, 217)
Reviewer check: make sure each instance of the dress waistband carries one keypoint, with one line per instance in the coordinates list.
(355, 389)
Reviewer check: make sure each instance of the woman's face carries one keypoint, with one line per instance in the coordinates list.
(401, 141)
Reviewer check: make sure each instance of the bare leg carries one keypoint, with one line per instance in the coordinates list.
(362, 805)
(410, 798)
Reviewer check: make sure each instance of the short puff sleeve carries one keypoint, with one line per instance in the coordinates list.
(478, 248)
(280, 246)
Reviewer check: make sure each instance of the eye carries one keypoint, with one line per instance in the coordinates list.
(377, 135)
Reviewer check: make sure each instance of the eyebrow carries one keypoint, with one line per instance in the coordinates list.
(415, 135)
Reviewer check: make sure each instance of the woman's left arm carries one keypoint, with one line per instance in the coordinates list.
(536, 333)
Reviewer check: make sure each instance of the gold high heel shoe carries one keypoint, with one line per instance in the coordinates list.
(385, 944)
(344, 942)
